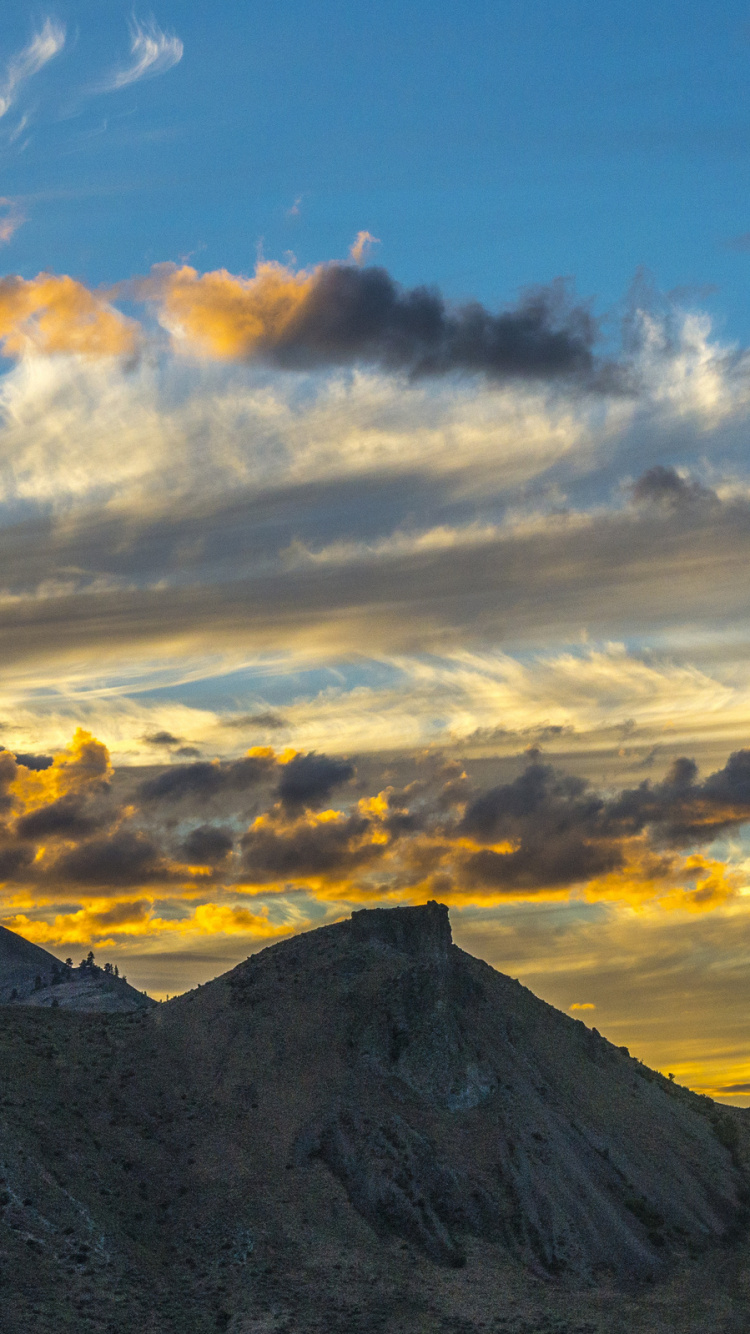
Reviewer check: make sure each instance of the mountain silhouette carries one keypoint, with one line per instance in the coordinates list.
(361, 1129)
(30, 975)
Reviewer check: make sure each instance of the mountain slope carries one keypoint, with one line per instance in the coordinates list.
(360, 1130)
(448, 1101)
(32, 976)
(20, 963)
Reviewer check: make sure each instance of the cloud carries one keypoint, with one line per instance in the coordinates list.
(362, 246)
(25, 63)
(85, 925)
(582, 1005)
(213, 919)
(272, 722)
(208, 843)
(208, 779)
(331, 846)
(11, 220)
(66, 818)
(153, 52)
(82, 770)
(115, 858)
(51, 315)
(124, 858)
(309, 780)
(339, 314)
(30, 761)
(669, 490)
(546, 828)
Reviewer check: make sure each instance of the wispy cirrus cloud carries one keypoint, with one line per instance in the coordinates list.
(11, 218)
(152, 51)
(25, 63)
(362, 245)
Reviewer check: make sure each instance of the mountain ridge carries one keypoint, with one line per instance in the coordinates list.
(30, 975)
(363, 1128)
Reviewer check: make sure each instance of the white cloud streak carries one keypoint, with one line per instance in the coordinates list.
(458, 537)
(11, 218)
(43, 46)
(153, 52)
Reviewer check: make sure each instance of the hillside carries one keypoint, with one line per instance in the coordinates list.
(32, 976)
(361, 1129)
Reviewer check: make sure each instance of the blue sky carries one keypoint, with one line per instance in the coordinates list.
(487, 146)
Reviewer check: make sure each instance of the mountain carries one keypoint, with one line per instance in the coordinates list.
(31, 976)
(360, 1130)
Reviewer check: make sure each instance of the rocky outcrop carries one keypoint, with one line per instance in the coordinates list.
(424, 933)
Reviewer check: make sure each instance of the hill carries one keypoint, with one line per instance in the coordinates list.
(32, 976)
(361, 1129)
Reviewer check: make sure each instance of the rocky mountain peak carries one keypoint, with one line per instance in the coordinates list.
(424, 932)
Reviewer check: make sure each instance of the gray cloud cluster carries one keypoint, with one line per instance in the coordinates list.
(354, 314)
(564, 832)
(543, 829)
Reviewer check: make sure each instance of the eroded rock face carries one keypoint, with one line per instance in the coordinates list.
(424, 933)
(394, 1179)
(470, 1108)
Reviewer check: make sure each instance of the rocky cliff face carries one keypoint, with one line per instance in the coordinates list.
(457, 1104)
(360, 1130)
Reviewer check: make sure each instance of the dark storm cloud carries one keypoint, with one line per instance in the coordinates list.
(563, 832)
(128, 857)
(14, 862)
(308, 780)
(206, 779)
(305, 780)
(558, 824)
(561, 801)
(543, 829)
(67, 818)
(565, 860)
(161, 739)
(8, 772)
(334, 848)
(36, 762)
(354, 314)
(680, 810)
(208, 843)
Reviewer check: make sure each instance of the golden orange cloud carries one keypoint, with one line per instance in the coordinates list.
(221, 315)
(53, 314)
(82, 766)
(136, 919)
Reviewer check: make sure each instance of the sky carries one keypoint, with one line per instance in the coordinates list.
(374, 494)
